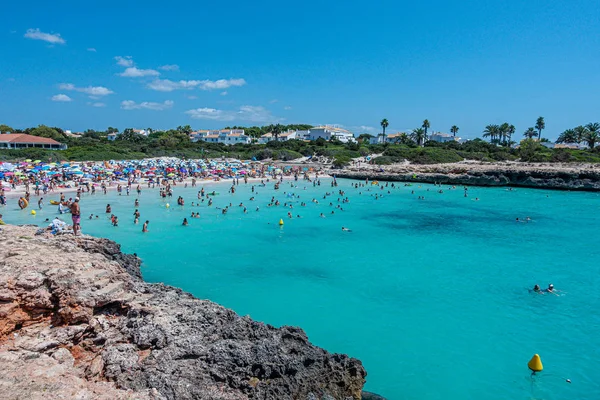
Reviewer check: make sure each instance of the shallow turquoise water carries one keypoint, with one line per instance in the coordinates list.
(432, 295)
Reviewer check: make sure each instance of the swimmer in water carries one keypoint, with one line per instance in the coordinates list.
(145, 227)
(346, 229)
(185, 222)
(551, 289)
(537, 289)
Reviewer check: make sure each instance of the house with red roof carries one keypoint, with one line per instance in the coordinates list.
(24, 141)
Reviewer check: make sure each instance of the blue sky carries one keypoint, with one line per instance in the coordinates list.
(82, 65)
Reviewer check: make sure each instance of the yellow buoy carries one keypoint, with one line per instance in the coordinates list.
(535, 364)
(32, 212)
(167, 205)
(281, 222)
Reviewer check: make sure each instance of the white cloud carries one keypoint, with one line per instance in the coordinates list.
(124, 61)
(166, 85)
(98, 104)
(61, 97)
(368, 129)
(93, 50)
(245, 113)
(36, 34)
(287, 108)
(273, 101)
(170, 67)
(147, 105)
(133, 72)
(90, 90)
(192, 97)
(224, 93)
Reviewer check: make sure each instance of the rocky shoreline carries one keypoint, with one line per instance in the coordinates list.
(77, 321)
(581, 177)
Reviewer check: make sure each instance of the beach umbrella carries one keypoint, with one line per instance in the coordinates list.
(28, 160)
(37, 161)
(118, 173)
(171, 174)
(9, 173)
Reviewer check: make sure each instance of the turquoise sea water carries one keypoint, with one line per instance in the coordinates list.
(432, 295)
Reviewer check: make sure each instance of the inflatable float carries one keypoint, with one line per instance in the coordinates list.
(23, 203)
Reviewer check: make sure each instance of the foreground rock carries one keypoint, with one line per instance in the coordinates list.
(76, 321)
(534, 175)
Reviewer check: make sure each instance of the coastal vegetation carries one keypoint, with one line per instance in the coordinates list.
(413, 147)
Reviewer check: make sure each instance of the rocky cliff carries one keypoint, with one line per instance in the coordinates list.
(544, 176)
(77, 321)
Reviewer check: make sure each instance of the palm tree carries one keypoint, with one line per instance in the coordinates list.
(591, 138)
(580, 133)
(511, 131)
(529, 133)
(384, 124)
(503, 132)
(593, 134)
(454, 130)
(425, 126)
(418, 135)
(540, 125)
(276, 131)
(403, 138)
(491, 131)
(568, 136)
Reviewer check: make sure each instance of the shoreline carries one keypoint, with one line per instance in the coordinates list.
(571, 177)
(93, 326)
(20, 190)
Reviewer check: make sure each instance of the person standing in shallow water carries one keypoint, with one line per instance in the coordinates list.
(76, 216)
(145, 227)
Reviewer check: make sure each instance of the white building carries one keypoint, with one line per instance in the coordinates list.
(377, 139)
(289, 135)
(442, 137)
(329, 132)
(225, 136)
(266, 138)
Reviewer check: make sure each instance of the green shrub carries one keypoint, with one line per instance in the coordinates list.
(341, 161)
(384, 160)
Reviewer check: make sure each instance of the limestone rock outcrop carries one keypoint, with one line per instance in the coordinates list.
(77, 321)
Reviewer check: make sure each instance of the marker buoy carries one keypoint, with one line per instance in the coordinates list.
(167, 205)
(33, 212)
(535, 364)
(281, 222)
